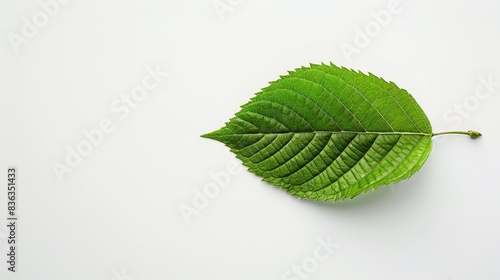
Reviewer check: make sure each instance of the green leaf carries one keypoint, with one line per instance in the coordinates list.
(329, 133)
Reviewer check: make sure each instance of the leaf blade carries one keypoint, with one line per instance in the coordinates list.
(329, 133)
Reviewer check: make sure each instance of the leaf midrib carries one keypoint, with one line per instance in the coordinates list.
(334, 132)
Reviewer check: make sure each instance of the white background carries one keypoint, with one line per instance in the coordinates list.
(117, 214)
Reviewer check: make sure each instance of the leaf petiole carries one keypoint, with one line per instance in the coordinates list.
(471, 133)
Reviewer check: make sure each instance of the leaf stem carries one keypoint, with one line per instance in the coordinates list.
(471, 133)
